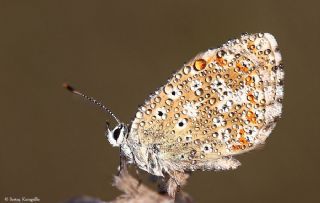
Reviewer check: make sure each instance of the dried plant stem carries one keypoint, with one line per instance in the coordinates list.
(135, 192)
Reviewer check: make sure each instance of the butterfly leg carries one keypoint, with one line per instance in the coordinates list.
(123, 164)
(139, 178)
(176, 180)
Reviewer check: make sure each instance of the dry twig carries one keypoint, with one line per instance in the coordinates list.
(134, 192)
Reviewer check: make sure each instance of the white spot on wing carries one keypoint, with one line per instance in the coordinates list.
(190, 109)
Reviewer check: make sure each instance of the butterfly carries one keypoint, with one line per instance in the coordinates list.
(222, 103)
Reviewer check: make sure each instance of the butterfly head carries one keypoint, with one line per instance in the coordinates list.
(117, 135)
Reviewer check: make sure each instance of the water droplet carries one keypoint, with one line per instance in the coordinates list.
(212, 65)
(221, 53)
(252, 37)
(224, 123)
(197, 142)
(199, 92)
(193, 152)
(215, 134)
(168, 89)
(208, 79)
(142, 123)
(212, 101)
(200, 64)
(139, 114)
(250, 97)
(178, 76)
(157, 99)
(244, 34)
(169, 102)
(267, 51)
(186, 70)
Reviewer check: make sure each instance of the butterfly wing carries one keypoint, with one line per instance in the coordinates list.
(223, 102)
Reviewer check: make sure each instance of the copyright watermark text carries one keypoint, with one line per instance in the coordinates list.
(21, 199)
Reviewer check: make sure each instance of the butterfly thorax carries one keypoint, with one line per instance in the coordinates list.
(147, 157)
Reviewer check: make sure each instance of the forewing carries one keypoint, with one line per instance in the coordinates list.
(223, 102)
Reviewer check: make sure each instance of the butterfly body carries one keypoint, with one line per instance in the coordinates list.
(223, 102)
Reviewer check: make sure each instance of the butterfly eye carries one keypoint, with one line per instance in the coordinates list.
(116, 133)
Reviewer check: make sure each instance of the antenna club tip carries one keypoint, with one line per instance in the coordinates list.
(68, 87)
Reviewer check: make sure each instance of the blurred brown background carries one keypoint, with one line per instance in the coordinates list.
(52, 144)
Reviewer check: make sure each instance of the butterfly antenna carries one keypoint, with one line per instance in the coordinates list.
(91, 99)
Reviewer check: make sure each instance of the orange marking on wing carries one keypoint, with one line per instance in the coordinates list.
(220, 61)
(237, 147)
(243, 140)
(242, 67)
(251, 116)
(241, 131)
(250, 97)
(249, 80)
